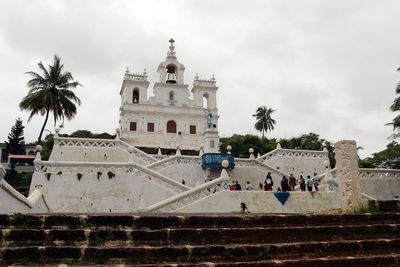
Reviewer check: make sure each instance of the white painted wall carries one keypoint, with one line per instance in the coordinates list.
(298, 165)
(385, 188)
(65, 193)
(264, 202)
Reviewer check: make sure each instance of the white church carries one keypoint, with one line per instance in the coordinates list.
(165, 159)
(170, 118)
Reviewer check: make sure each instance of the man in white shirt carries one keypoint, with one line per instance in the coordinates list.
(249, 186)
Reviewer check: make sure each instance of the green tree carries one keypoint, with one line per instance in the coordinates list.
(396, 107)
(16, 143)
(264, 121)
(388, 158)
(50, 93)
(82, 134)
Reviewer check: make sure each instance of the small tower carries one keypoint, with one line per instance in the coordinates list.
(134, 88)
(171, 71)
(203, 88)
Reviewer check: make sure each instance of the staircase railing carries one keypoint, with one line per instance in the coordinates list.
(177, 159)
(55, 167)
(293, 153)
(183, 199)
(93, 142)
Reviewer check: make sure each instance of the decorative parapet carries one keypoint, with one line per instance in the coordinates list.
(135, 76)
(293, 153)
(215, 160)
(55, 167)
(183, 199)
(174, 160)
(204, 82)
(89, 142)
(379, 173)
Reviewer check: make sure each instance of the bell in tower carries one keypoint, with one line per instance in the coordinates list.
(171, 74)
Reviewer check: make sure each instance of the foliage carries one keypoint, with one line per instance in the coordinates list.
(242, 143)
(310, 141)
(396, 107)
(16, 144)
(265, 253)
(110, 174)
(82, 134)
(264, 121)
(50, 93)
(388, 158)
(20, 181)
(365, 208)
(47, 147)
(366, 163)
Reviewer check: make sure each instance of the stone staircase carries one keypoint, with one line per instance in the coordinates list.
(201, 240)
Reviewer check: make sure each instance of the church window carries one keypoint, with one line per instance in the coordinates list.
(135, 96)
(212, 143)
(205, 100)
(133, 126)
(171, 127)
(150, 127)
(192, 129)
(171, 95)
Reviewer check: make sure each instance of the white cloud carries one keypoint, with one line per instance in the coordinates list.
(326, 67)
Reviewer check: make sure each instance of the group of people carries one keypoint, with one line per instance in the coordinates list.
(237, 186)
(289, 184)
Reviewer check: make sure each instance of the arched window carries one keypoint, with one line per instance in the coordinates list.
(135, 96)
(171, 95)
(171, 127)
(205, 100)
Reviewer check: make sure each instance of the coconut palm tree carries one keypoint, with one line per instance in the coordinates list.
(396, 107)
(264, 121)
(50, 93)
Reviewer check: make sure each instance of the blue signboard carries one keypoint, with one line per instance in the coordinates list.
(215, 160)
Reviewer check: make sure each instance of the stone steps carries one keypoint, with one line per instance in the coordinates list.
(194, 254)
(199, 240)
(190, 236)
(160, 221)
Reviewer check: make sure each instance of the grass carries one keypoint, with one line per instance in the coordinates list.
(110, 174)
(265, 253)
(365, 208)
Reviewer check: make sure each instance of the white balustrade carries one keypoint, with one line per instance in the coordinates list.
(54, 168)
(293, 153)
(379, 173)
(183, 199)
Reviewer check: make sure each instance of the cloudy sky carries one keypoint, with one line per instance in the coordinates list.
(327, 67)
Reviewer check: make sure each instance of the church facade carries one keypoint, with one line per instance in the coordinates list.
(170, 118)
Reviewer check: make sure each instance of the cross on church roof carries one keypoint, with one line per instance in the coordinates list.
(172, 41)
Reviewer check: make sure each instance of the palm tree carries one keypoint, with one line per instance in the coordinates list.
(264, 121)
(50, 92)
(396, 107)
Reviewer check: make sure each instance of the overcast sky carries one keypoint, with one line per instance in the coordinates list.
(327, 67)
